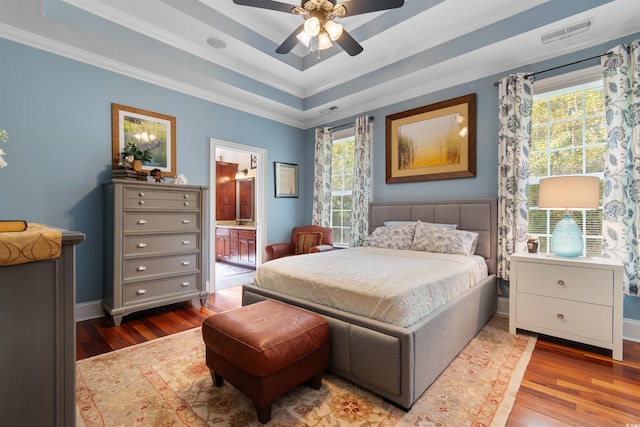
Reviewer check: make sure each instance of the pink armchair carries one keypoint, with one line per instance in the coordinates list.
(304, 239)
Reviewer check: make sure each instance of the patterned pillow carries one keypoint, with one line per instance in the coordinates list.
(429, 238)
(391, 237)
(306, 240)
(436, 224)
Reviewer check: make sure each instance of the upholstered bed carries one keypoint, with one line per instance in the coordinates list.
(399, 361)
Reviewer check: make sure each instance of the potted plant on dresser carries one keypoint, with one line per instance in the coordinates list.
(133, 156)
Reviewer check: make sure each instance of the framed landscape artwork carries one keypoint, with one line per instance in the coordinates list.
(437, 141)
(147, 131)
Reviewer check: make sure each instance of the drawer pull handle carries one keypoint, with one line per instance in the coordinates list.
(141, 291)
(141, 268)
(141, 245)
(186, 203)
(141, 194)
(185, 284)
(560, 316)
(186, 221)
(141, 221)
(186, 242)
(185, 263)
(186, 196)
(561, 282)
(141, 202)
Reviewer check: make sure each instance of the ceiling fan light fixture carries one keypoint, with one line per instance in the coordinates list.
(312, 26)
(304, 38)
(324, 41)
(333, 29)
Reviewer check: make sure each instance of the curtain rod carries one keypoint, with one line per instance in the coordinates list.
(496, 84)
(349, 124)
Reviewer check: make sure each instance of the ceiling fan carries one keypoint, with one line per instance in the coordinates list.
(318, 21)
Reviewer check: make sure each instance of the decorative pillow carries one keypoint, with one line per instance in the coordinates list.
(306, 240)
(435, 224)
(392, 237)
(429, 238)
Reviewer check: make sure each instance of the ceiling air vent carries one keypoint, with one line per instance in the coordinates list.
(565, 32)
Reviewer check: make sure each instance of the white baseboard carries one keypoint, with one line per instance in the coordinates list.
(89, 310)
(631, 330)
(503, 306)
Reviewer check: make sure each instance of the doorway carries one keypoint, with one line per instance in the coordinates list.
(251, 163)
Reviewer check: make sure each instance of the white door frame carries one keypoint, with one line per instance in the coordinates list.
(260, 202)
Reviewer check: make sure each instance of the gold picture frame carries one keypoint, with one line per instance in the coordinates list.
(437, 141)
(286, 179)
(147, 130)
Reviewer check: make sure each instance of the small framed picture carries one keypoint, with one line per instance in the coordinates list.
(286, 179)
(254, 161)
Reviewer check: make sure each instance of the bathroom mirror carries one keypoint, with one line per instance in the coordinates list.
(245, 199)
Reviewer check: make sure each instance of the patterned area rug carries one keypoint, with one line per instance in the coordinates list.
(165, 382)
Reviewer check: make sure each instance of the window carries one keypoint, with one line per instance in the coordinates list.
(568, 137)
(342, 160)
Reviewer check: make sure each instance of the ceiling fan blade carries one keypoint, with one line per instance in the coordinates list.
(290, 42)
(349, 44)
(357, 7)
(267, 4)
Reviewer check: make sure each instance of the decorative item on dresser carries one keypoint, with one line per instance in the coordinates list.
(577, 299)
(155, 245)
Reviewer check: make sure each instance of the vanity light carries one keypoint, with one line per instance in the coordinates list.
(242, 173)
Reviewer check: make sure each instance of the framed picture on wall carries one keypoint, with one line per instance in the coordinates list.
(437, 141)
(286, 179)
(145, 130)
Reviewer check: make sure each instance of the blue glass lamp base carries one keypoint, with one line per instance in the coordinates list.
(566, 240)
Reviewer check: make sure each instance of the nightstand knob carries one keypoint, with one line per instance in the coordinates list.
(560, 316)
(561, 282)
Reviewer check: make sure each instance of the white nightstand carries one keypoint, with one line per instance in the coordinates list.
(578, 299)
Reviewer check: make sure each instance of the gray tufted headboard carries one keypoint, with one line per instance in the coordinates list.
(479, 215)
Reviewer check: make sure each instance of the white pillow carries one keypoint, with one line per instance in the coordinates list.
(429, 238)
(435, 224)
(392, 237)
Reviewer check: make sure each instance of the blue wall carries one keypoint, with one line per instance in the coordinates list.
(57, 113)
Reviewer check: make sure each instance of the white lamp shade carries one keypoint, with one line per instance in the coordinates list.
(312, 26)
(304, 38)
(324, 41)
(333, 29)
(569, 192)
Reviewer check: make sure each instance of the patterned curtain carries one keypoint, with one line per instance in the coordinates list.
(361, 182)
(321, 214)
(621, 218)
(514, 139)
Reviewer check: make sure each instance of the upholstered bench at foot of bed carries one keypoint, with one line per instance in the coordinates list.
(266, 349)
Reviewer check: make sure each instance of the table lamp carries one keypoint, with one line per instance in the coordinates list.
(568, 192)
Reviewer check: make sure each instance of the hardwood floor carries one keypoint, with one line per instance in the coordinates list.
(564, 385)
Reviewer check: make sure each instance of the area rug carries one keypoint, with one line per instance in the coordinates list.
(165, 382)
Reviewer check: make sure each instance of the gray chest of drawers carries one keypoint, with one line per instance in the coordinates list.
(155, 245)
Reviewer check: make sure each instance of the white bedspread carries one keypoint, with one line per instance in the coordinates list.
(394, 286)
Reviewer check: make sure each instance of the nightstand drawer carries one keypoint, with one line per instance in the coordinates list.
(551, 315)
(575, 283)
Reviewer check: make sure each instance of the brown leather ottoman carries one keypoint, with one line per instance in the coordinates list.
(266, 349)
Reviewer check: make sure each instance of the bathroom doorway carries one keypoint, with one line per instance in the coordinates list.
(237, 205)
